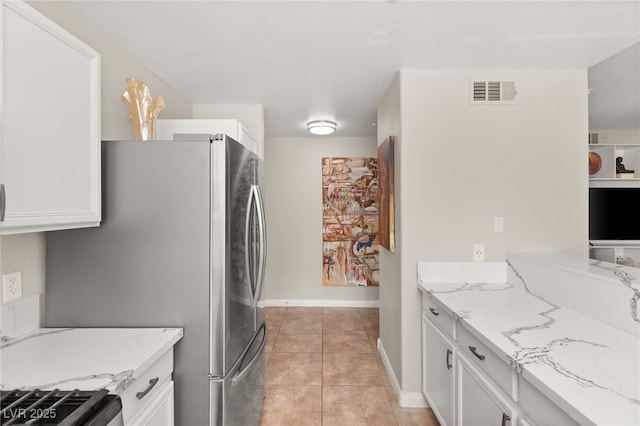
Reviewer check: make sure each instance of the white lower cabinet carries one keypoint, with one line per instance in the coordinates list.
(437, 371)
(149, 399)
(467, 384)
(479, 401)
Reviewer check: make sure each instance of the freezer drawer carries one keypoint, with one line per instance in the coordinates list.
(237, 399)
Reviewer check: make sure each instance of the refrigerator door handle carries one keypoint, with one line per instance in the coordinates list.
(263, 246)
(247, 246)
(239, 376)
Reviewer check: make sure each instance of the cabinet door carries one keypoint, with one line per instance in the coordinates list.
(437, 371)
(479, 402)
(51, 127)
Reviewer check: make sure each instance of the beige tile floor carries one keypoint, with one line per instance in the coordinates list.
(323, 368)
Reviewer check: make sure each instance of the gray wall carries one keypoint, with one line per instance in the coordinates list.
(293, 208)
(460, 165)
(614, 101)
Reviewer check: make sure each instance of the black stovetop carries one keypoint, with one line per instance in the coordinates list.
(56, 407)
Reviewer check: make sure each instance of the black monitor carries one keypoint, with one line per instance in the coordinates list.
(613, 214)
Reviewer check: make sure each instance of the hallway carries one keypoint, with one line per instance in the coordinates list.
(323, 368)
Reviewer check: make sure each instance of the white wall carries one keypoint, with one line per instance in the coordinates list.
(26, 252)
(462, 165)
(389, 115)
(293, 209)
(116, 66)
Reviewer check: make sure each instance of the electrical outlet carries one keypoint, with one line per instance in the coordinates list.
(478, 252)
(11, 286)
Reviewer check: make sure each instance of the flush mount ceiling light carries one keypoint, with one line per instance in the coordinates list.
(321, 127)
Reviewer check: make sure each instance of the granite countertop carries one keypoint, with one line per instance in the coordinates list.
(82, 358)
(588, 367)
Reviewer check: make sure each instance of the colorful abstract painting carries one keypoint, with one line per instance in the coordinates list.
(350, 205)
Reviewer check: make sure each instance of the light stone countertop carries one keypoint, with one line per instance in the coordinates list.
(82, 358)
(588, 367)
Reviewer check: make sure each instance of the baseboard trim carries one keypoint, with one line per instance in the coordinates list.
(324, 303)
(387, 366)
(412, 400)
(405, 399)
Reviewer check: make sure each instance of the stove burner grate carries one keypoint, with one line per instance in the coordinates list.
(53, 407)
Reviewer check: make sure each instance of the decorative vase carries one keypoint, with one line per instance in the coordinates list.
(595, 163)
(143, 110)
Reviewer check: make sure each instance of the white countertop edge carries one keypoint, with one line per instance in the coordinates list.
(137, 367)
(605, 270)
(157, 355)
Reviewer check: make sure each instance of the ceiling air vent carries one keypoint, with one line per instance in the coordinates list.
(493, 92)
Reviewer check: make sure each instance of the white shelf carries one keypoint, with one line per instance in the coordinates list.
(616, 251)
(620, 252)
(617, 179)
(630, 154)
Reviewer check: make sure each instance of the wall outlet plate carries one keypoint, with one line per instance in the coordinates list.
(478, 252)
(11, 286)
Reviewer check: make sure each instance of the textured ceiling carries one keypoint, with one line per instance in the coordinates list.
(306, 60)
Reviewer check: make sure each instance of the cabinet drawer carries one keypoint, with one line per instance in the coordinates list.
(134, 397)
(488, 361)
(439, 316)
(539, 408)
(158, 411)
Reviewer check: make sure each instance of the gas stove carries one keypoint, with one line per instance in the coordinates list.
(57, 407)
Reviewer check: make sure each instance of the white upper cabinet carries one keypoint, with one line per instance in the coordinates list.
(167, 129)
(50, 139)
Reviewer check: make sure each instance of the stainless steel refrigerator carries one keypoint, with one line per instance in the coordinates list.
(182, 244)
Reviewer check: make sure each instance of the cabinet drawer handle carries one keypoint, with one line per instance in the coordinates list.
(473, 351)
(3, 202)
(152, 383)
(505, 419)
(434, 312)
(448, 359)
